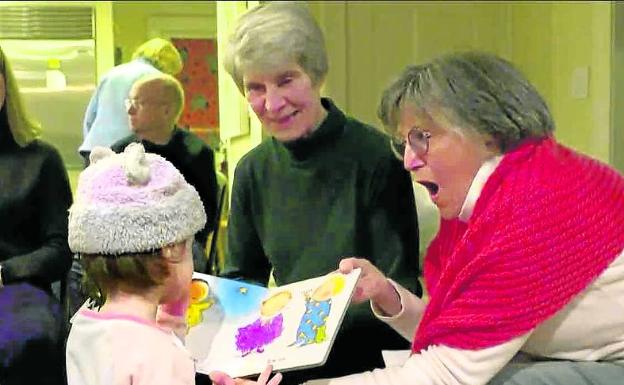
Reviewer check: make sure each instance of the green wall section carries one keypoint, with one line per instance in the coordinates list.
(582, 38)
(552, 40)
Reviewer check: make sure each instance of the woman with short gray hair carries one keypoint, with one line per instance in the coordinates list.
(270, 36)
(322, 185)
(529, 257)
(478, 92)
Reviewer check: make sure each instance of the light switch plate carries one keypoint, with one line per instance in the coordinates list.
(579, 87)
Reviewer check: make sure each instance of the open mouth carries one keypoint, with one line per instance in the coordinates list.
(433, 188)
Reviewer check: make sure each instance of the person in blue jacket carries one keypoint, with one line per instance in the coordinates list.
(106, 118)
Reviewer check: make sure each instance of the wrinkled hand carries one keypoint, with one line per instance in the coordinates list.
(220, 378)
(372, 285)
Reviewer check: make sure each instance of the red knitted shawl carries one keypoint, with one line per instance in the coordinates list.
(546, 224)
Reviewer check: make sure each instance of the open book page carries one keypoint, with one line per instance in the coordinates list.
(238, 328)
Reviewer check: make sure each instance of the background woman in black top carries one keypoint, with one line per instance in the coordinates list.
(34, 199)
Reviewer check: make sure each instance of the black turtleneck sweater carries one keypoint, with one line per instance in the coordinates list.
(34, 200)
(195, 161)
(300, 207)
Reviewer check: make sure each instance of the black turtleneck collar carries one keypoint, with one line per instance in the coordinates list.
(6, 137)
(331, 128)
(175, 136)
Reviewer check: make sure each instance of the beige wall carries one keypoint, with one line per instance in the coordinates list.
(582, 38)
(531, 44)
(550, 41)
(369, 42)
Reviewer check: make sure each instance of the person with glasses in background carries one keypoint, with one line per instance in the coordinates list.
(526, 274)
(323, 185)
(105, 120)
(154, 105)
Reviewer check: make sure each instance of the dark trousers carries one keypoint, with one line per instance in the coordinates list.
(31, 351)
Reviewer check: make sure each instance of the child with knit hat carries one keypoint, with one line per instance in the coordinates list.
(132, 222)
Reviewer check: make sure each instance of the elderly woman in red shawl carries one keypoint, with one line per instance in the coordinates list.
(529, 256)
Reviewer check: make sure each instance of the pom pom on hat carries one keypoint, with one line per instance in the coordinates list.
(132, 202)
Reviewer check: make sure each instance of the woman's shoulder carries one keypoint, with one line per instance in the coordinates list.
(42, 149)
(257, 156)
(367, 143)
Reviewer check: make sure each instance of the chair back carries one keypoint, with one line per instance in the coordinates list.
(213, 260)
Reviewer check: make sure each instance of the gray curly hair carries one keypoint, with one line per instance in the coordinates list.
(275, 34)
(476, 92)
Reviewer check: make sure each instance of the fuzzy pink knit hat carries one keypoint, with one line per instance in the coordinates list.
(132, 202)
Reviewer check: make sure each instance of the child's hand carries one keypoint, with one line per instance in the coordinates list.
(264, 377)
(220, 378)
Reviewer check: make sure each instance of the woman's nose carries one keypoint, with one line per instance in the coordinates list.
(411, 161)
(274, 100)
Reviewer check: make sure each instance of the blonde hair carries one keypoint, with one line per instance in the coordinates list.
(162, 54)
(275, 34)
(23, 128)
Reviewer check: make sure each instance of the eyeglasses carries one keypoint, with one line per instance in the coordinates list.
(138, 104)
(418, 141)
(134, 103)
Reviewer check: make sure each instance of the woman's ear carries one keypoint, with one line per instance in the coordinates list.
(492, 145)
(320, 83)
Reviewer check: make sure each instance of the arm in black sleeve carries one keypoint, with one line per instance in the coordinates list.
(393, 224)
(51, 259)
(245, 257)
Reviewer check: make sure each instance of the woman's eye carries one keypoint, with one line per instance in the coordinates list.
(284, 81)
(253, 88)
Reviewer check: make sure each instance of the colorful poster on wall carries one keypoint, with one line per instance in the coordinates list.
(199, 79)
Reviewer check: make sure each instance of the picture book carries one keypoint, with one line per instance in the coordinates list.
(239, 328)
